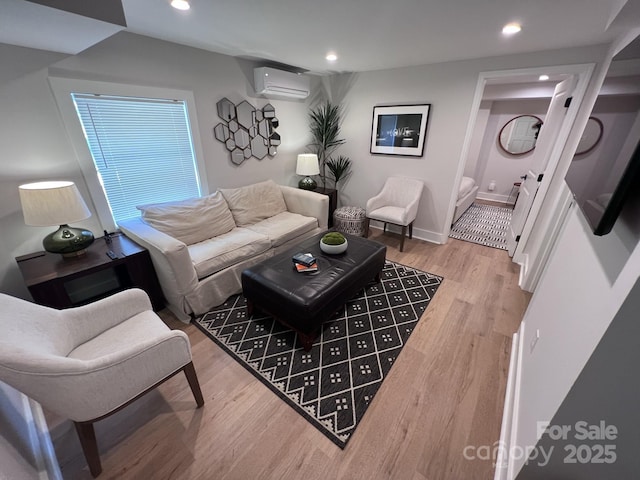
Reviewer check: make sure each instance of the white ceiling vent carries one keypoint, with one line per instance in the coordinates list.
(271, 82)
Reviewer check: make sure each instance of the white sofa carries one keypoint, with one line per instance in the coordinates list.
(466, 196)
(200, 246)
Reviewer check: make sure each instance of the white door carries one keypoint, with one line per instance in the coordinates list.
(545, 143)
(522, 136)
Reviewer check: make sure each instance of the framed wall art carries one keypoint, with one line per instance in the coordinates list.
(400, 129)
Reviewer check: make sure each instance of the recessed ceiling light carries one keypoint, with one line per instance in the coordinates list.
(180, 4)
(511, 28)
(543, 78)
(332, 57)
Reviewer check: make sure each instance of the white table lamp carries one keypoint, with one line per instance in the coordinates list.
(46, 204)
(307, 165)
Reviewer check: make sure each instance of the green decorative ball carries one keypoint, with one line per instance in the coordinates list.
(334, 238)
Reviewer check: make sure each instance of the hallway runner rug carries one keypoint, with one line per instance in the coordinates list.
(483, 224)
(333, 384)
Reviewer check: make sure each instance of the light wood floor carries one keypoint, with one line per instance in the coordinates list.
(444, 392)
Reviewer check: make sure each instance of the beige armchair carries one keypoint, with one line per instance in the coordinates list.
(397, 204)
(88, 362)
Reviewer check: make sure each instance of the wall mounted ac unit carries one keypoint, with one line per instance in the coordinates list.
(271, 82)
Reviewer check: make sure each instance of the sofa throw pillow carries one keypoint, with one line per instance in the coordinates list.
(254, 203)
(190, 221)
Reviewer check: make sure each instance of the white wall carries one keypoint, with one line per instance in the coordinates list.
(607, 390)
(26, 451)
(495, 164)
(586, 280)
(34, 144)
(16, 456)
(450, 89)
(475, 146)
(617, 114)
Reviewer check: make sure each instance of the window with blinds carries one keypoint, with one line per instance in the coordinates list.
(142, 150)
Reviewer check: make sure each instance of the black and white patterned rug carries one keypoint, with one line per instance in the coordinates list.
(333, 384)
(484, 224)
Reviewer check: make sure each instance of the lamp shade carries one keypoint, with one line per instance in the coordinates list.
(52, 203)
(307, 164)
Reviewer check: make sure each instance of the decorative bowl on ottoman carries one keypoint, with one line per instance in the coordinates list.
(333, 243)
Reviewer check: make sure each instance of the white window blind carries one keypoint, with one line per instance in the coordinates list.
(142, 150)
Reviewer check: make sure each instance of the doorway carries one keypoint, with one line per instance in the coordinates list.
(489, 83)
(505, 135)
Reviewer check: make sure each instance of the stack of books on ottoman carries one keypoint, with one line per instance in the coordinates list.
(305, 262)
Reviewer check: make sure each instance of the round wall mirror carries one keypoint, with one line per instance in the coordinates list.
(519, 135)
(590, 137)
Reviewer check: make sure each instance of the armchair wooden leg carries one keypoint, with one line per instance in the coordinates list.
(87, 436)
(192, 378)
(384, 229)
(411, 230)
(366, 227)
(404, 232)
(86, 432)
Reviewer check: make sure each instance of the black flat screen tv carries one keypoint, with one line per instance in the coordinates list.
(614, 180)
(606, 176)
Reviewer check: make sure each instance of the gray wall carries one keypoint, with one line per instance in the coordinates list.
(450, 89)
(34, 144)
(608, 389)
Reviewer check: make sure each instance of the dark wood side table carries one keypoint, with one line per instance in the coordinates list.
(332, 193)
(61, 282)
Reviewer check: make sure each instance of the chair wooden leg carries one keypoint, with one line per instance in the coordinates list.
(411, 230)
(192, 378)
(384, 229)
(366, 227)
(86, 432)
(404, 232)
(87, 436)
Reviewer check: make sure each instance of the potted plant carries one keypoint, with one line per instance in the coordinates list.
(340, 169)
(324, 122)
(333, 243)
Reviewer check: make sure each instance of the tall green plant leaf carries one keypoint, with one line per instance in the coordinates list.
(324, 122)
(340, 168)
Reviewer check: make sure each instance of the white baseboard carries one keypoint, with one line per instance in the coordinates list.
(419, 233)
(42, 446)
(494, 197)
(509, 429)
(26, 450)
(502, 460)
(523, 261)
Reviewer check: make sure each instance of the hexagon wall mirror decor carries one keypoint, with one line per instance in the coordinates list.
(246, 114)
(248, 131)
(226, 110)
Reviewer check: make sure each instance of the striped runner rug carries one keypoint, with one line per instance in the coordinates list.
(483, 224)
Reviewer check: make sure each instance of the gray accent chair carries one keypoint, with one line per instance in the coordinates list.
(88, 362)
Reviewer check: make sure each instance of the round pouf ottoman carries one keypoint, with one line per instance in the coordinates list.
(349, 220)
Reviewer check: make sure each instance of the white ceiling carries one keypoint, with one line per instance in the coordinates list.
(27, 24)
(376, 34)
(365, 34)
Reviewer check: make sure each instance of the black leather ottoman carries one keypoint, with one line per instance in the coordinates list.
(303, 301)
